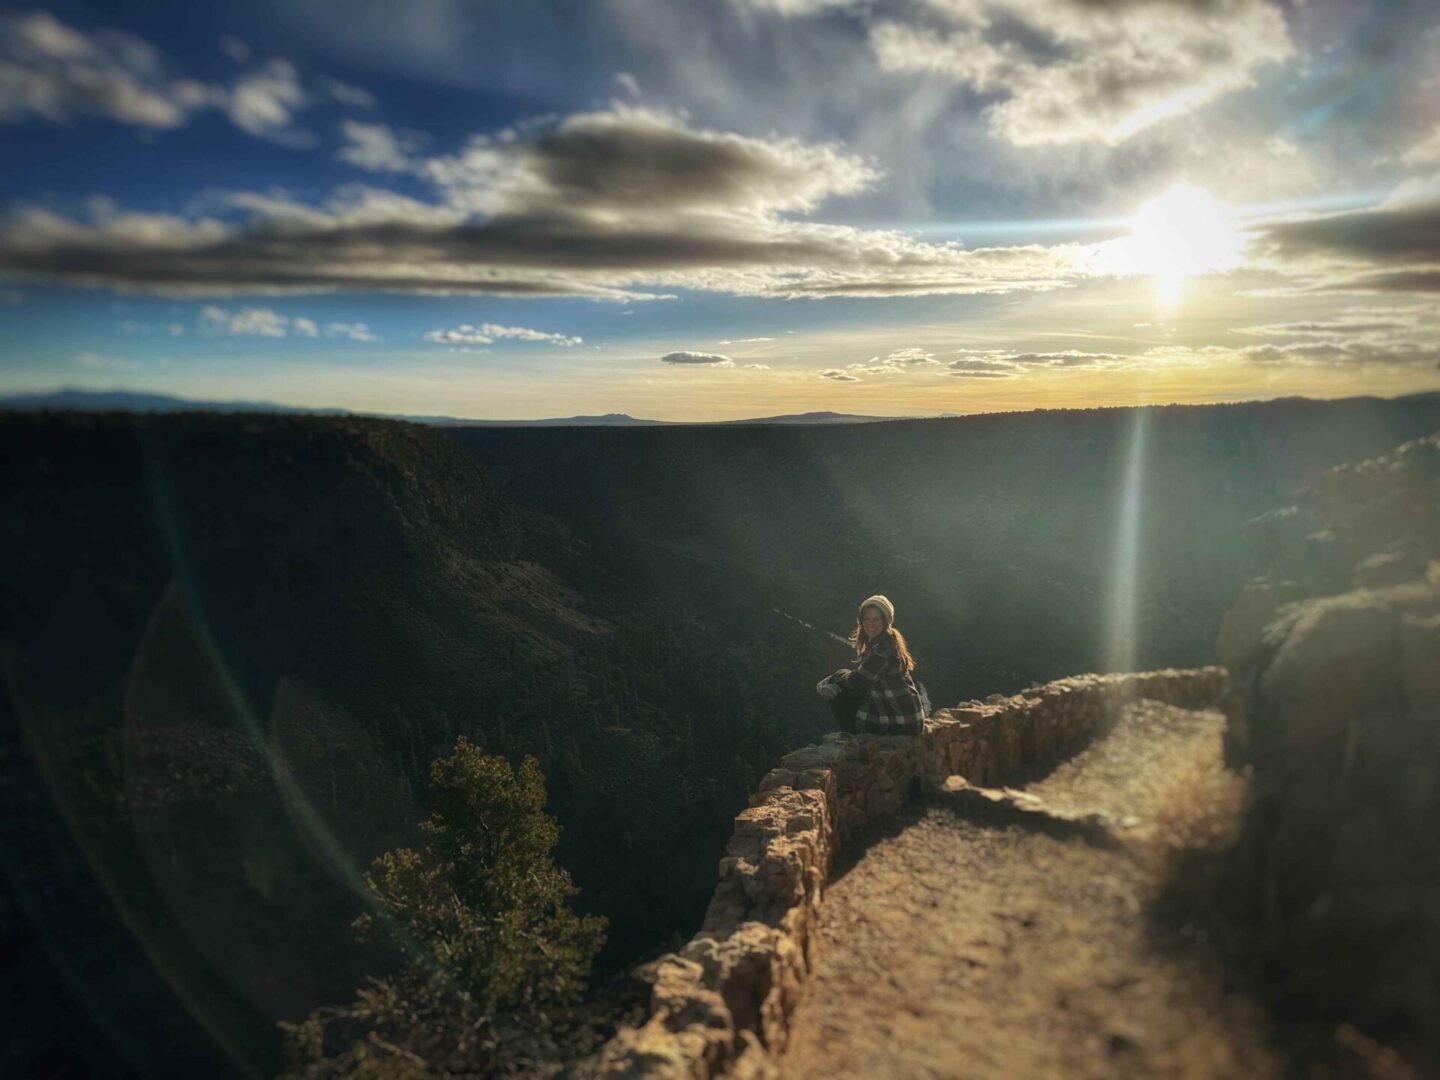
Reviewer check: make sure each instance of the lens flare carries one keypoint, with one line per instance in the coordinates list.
(1122, 645)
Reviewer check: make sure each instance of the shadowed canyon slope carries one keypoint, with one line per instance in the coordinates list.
(996, 535)
(233, 644)
(1137, 907)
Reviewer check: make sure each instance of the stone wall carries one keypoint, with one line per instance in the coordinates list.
(722, 1004)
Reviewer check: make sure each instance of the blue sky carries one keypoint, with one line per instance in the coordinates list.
(710, 211)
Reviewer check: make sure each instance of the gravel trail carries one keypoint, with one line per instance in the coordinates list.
(959, 948)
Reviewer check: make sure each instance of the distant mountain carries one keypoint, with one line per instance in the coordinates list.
(128, 401)
(612, 419)
(816, 418)
(625, 420)
(71, 397)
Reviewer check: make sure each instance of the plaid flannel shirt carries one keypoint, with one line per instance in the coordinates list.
(891, 705)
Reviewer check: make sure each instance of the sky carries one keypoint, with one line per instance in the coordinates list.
(710, 211)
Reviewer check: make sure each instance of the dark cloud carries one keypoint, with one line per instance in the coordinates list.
(589, 208)
(1414, 281)
(1343, 352)
(629, 159)
(636, 157)
(695, 358)
(1406, 233)
(991, 362)
(1068, 358)
(1338, 326)
(498, 256)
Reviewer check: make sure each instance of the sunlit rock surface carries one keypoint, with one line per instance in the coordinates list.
(1334, 658)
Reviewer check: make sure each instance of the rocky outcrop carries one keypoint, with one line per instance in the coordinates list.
(721, 1005)
(1334, 658)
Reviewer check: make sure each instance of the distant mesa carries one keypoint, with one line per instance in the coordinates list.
(71, 397)
(130, 401)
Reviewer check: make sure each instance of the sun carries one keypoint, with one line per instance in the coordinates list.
(1182, 233)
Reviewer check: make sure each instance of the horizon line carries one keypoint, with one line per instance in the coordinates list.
(433, 418)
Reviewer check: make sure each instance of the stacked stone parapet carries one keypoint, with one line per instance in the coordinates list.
(721, 1004)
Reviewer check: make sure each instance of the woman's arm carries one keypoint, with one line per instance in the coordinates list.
(876, 660)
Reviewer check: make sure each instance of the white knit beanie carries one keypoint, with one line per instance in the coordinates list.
(884, 604)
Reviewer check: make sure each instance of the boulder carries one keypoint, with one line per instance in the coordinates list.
(1338, 663)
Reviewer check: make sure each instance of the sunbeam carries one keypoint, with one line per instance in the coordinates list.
(1122, 646)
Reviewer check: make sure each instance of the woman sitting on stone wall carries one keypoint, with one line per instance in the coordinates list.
(877, 694)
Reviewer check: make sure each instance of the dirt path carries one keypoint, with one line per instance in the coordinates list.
(957, 948)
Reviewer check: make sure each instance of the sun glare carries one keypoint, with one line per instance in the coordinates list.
(1182, 233)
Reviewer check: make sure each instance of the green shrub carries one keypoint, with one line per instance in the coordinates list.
(483, 916)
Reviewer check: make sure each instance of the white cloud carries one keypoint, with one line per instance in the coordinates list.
(1281, 147)
(743, 340)
(260, 321)
(1426, 151)
(49, 70)
(838, 376)
(792, 8)
(1064, 71)
(487, 333)
(354, 96)
(263, 103)
(263, 322)
(465, 333)
(357, 331)
(378, 147)
(899, 362)
(628, 83)
(523, 333)
(874, 366)
(55, 72)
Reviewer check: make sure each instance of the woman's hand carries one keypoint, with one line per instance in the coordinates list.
(832, 684)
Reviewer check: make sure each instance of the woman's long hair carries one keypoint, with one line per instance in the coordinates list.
(862, 644)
